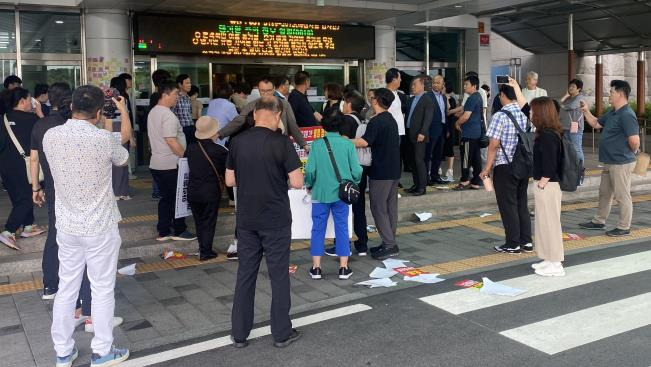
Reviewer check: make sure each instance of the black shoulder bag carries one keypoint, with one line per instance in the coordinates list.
(348, 190)
(522, 163)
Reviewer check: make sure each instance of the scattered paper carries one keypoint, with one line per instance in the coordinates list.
(380, 273)
(371, 228)
(491, 287)
(571, 237)
(468, 283)
(484, 215)
(409, 271)
(171, 254)
(423, 216)
(425, 278)
(442, 187)
(377, 283)
(394, 263)
(399, 196)
(292, 269)
(128, 270)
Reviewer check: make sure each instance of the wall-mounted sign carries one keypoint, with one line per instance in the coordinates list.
(484, 40)
(238, 37)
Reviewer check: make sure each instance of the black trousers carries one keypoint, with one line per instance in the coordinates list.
(470, 157)
(511, 195)
(15, 182)
(359, 214)
(406, 153)
(189, 131)
(50, 262)
(205, 219)
(275, 243)
(434, 155)
(419, 173)
(166, 180)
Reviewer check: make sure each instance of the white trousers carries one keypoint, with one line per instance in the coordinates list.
(100, 255)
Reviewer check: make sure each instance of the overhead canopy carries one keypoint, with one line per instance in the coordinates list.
(600, 26)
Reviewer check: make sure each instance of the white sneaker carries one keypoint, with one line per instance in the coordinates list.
(440, 171)
(231, 253)
(540, 265)
(449, 175)
(551, 270)
(88, 325)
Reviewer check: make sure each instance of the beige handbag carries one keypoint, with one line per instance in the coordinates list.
(22, 153)
(642, 164)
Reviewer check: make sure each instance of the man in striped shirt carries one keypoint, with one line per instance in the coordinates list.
(183, 107)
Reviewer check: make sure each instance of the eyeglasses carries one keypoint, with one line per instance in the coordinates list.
(266, 91)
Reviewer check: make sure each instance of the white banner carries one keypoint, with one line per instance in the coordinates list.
(182, 204)
(301, 207)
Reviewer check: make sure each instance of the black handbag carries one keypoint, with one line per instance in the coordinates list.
(348, 190)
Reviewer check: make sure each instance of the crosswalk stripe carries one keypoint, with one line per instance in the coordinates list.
(467, 300)
(578, 328)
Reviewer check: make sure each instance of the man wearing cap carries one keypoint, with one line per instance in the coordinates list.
(207, 162)
(260, 164)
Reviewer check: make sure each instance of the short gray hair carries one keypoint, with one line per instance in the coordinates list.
(532, 74)
(269, 103)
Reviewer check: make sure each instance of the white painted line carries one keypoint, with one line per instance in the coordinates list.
(578, 328)
(226, 340)
(469, 299)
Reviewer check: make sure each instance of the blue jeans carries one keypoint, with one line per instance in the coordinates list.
(577, 141)
(320, 214)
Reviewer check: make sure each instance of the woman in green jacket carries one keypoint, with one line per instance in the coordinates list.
(321, 179)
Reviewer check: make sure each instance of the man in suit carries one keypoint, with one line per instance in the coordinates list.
(419, 119)
(437, 130)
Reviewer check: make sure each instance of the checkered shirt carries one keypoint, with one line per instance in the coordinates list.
(502, 128)
(183, 110)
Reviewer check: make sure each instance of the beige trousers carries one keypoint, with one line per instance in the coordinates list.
(547, 232)
(616, 184)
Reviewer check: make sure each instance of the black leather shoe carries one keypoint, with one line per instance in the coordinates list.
(239, 344)
(208, 256)
(292, 338)
(411, 189)
(419, 192)
(437, 182)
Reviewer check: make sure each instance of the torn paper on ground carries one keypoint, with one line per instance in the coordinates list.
(423, 216)
(371, 228)
(484, 215)
(491, 287)
(379, 273)
(394, 263)
(425, 278)
(377, 283)
(128, 270)
(442, 187)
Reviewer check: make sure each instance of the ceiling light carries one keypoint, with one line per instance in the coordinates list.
(458, 6)
(58, 21)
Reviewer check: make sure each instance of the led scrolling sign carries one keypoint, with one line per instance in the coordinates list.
(252, 38)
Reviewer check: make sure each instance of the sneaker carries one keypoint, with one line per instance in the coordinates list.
(125, 198)
(507, 249)
(163, 238)
(449, 175)
(9, 239)
(231, 253)
(239, 344)
(67, 360)
(551, 270)
(385, 253)
(292, 338)
(315, 273)
(527, 247)
(592, 225)
(88, 325)
(32, 230)
(376, 249)
(332, 251)
(185, 236)
(362, 253)
(345, 273)
(49, 293)
(618, 232)
(113, 357)
(540, 265)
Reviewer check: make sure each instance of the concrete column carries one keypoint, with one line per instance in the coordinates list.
(641, 82)
(599, 86)
(478, 57)
(108, 45)
(570, 48)
(385, 56)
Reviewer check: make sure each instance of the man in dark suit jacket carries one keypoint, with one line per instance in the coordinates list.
(437, 130)
(419, 118)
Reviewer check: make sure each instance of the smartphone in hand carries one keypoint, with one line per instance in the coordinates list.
(502, 79)
(110, 109)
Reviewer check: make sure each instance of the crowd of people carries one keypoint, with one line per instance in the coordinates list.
(369, 140)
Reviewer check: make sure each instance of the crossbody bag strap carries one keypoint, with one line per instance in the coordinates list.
(515, 123)
(332, 159)
(14, 139)
(221, 180)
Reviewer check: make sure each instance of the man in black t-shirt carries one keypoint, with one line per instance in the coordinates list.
(264, 218)
(382, 136)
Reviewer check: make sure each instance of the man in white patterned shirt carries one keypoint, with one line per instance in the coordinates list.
(81, 156)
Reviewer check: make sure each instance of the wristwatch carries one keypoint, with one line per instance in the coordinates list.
(39, 190)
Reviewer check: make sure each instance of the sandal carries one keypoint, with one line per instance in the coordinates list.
(461, 187)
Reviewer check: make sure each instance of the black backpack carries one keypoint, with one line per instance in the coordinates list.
(570, 167)
(522, 163)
